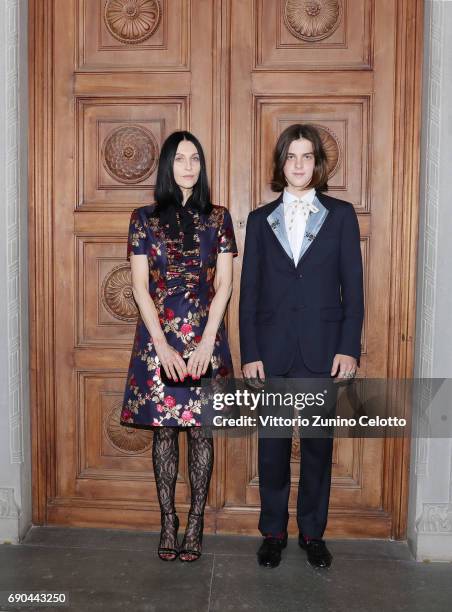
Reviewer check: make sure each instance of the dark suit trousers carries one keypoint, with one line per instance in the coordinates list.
(315, 475)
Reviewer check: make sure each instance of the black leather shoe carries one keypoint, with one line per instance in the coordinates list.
(318, 554)
(269, 554)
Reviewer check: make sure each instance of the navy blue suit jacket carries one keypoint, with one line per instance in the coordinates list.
(317, 304)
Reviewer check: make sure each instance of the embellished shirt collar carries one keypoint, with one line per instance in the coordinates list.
(289, 198)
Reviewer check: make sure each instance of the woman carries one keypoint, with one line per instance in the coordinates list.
(181, 251)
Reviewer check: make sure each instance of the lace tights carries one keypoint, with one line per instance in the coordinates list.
(165, 458)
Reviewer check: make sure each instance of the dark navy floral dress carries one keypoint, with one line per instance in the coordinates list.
(181, 286)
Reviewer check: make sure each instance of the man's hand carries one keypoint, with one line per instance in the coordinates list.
(254, 369)
(345, 364)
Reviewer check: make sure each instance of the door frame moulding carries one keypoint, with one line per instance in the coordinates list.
(407, 126)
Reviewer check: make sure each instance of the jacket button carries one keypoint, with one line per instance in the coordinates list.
(300, 275)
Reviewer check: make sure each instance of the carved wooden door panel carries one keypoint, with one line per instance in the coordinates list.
(112, 78)
(127, 74)
(330, 63)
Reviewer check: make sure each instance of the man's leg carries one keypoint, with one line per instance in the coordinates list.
(274, 488)
(274, 484)
(314, 486)
(315, 478)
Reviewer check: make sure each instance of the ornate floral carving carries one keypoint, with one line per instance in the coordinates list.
(130, 153)
(128, 440)
(132, 21)
(312, 20)
(8, 506)
(332, 148)
(116, 294)
(435, 518)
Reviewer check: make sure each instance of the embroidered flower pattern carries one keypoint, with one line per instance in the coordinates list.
(181, 287)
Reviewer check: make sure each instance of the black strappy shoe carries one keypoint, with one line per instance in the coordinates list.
(168, 531)
(191, 553)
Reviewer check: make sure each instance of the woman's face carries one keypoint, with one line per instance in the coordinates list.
(300, 163)
(187, 165)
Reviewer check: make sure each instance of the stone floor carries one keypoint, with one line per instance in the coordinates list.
(103, 569)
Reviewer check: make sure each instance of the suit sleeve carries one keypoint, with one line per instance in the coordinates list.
(351, 272)
(249, 292)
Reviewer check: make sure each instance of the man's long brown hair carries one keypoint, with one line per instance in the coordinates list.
(319, 178)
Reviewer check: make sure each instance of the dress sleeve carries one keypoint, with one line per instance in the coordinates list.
(137, 241)
(226, 237)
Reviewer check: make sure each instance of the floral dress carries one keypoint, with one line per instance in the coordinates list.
(181, 287)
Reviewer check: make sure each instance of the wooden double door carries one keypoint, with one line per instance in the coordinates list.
(109, 80)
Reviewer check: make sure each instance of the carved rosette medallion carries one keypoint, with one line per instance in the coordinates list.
(128, 440)
(116, 294)
(312, 20)
(332, 148)
(132, 21)
(129, 154)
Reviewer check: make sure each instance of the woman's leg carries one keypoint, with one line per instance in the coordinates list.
(165, 459)
(200, 465)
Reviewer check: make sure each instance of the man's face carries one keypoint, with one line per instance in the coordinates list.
(299, 164)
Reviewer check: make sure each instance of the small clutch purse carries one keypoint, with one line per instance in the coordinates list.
(188, 380)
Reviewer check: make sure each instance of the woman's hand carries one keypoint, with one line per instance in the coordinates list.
(170, 359)
(200, 358)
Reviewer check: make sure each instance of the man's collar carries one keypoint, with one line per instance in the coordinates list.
(289, 197)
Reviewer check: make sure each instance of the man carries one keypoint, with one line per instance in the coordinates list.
(301, 315)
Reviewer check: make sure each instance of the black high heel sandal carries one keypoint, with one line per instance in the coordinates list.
(166, 532)
(193, 553)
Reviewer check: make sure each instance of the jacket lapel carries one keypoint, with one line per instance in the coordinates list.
(313, 225)
(276, 221)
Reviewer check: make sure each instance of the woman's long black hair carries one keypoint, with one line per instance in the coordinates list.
(167, 191)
